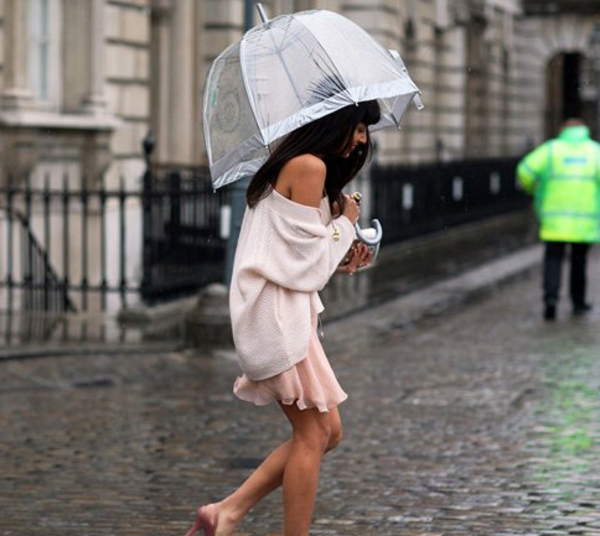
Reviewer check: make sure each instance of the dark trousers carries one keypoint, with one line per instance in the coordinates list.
(553, 261)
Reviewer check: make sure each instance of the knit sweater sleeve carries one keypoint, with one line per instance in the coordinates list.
(292, 247)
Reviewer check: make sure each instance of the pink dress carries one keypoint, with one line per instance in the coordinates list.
(310, 383)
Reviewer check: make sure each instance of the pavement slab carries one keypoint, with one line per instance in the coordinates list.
(474, 417)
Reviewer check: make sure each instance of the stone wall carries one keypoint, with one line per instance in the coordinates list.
(134, 65)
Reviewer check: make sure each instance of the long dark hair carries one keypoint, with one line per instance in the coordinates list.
(328, 138)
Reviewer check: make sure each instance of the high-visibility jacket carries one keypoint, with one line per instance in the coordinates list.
(563, 175)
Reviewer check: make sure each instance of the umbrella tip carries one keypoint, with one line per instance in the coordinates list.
(418, 102)
(262, 12)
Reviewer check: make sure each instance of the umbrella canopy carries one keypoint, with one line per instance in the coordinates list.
(288, 72)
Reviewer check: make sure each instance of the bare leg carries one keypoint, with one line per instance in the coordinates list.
(268, 476)
(311, 433)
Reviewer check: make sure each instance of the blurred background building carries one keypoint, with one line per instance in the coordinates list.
(84, 185)
(82, 81)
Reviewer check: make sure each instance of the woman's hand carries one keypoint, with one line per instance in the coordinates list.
(360, 256)
(351, 208)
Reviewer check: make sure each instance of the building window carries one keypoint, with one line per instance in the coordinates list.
(44, 46)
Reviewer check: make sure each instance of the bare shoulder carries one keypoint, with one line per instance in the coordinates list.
(306, 162)
(303, 178)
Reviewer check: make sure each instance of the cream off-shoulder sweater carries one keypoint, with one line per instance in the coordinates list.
(286, 253)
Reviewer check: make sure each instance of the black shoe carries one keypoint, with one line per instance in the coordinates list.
(582, 308)
(550, 312)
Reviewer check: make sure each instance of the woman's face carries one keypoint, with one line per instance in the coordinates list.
(359, 137)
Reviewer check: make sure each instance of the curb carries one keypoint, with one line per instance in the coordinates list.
(471, 285)
(444, 296)
(88, 349)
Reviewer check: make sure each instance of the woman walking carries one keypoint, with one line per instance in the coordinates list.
(297, 231)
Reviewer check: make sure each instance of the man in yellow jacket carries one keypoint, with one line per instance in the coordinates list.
(563, 175)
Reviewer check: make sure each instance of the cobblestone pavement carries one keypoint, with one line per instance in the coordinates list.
(481, 421)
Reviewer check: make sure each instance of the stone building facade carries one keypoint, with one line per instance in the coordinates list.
(82, 82)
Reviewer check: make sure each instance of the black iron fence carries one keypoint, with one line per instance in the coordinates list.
(184, 239)
(101, 248)
(79, 247)
(412, 201)
(42, 288)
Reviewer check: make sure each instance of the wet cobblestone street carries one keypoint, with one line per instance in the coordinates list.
(481, 421)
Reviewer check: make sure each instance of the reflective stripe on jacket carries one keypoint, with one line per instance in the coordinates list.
(563, 175)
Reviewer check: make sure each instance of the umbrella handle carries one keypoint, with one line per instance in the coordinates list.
(370, 241)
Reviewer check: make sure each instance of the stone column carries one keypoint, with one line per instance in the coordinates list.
(96, 155)
(16, 94)
(93, 101)
(162, 12)
(182, 96)
(175, 98)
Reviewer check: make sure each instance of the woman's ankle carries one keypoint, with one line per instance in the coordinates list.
(230, 516)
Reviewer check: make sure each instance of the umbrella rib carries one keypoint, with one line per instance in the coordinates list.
(253, 106)
(335, 67)
(277, 50)
(285, 66)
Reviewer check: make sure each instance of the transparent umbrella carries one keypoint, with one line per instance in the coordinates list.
(288, 72)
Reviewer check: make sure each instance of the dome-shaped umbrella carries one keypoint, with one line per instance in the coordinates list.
(288, 72)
